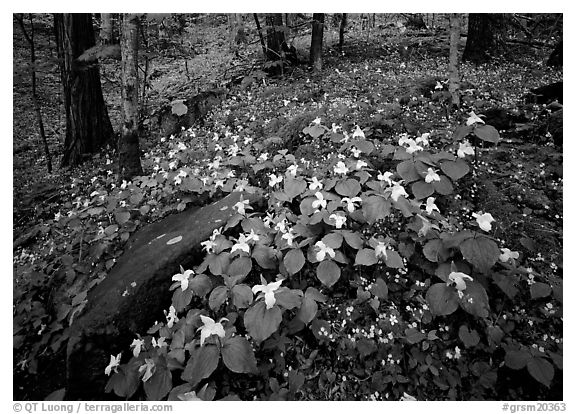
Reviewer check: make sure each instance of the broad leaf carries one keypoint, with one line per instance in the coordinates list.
(444, 186)
(366, 257)
(442, 299)
(469, 338)
(294, 261)
(407, 170)
(265, 257)
(294, 186)
(308, 310)
(475, 300)
(202, 363)
(487, 133)
(348, 188)
(328, 273)
(422, 189)
(541, 370)
(241, 266)
(413, 335)
(217, 297)
(159, 385)
(393, 259)
(375, 208)
(288, 298)
(455, 169)
(540, 290)
(481, 252)
(238, 355)
(516, 359)
(260, 322)
(507, 283)
(242, 296)
(380, 289)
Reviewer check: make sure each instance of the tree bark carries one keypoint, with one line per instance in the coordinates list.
(453, 75)
(106, 28)
(259, 28)
(316, 43)
(35, 100)
(343, 23)
(129, 147)
(275, 39)
(486, 37)
(555, 60)
(88, 127)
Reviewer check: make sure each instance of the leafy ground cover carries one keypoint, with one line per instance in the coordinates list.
(404, 252)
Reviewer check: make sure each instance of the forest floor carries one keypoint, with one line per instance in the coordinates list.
(377, 85)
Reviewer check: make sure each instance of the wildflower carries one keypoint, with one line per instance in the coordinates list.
(289, 236)
(457, 354)
(315, 184)
(458, 279)
(474, 119)
(464, 148)
(181, 146)
(160, 343)
(507, 254)
(171, 317)
(423, 139)
(412, 146)
(351, 203)
(57, 216)
(403, 139)
(137, 345)
(484, 220)
(430, 206)
(358, 133)
(209, 328)
(268, 290)
(431, 175)
(114, 364)
(407, 397)
(380, 250)
(398, 191)
(252, 236)
(292, 169)
(338, 219)
(218, 183)
(320, 201)
(208, 245)
(263, 157)
(233, 150)
(274, 180)
(317, 121)
(241, 206)
(281, 226)
(322, 250)
(149, 368)
(189, 396)
(386, 177)
(183, 278)
(361, 164)
(355, 152)
(341, 168)
(241, 245)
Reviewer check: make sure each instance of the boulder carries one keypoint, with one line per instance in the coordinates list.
(136, 292)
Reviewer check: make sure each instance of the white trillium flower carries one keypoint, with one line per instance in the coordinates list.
(361, 164)
(241, 206)
(149, 368)
(484, 220)
(210, 328)
(430, 206)
(474, 119)
(386, 177)
(171, 317)
(431, 175)
(315, 184)
(114, 364)
(320, 201)
(380, 250)
(358, 133)
(340, 168)
(351, 203)
(208, 245)
(293, 169)
(183, 278)
(508, 254)
(339, 220)
(412, 146)
(242, 244)
(464, 148)
(322, 250)
(160, 343)
(268, 290)
(274, 180)
(355, 152)
(458, 278)
(289, 236)
(137, 345)
(398, 191)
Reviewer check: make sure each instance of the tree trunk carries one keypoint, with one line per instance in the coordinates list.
(129, 147)
(486, 37)
(237, 32)
(453, 75)
(275, 40)
(555, 60)
(316, 43)
(106, 28)
(343, 23)
(259, 28)
(88, 127)
(35, 100)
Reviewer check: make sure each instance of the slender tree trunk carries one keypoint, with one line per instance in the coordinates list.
(454, 77)
(343, 23)
(275, 39)
(88, 127)
(35, 100)
(556, 59)
(106, 28)
(486, 37)
(316, 43)
(129, 147)
(259, 28)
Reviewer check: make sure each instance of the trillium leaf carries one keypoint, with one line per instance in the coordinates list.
(421, 189)
(308, 310)
(242, 296)
(393, 259)
(462, 131)
(366, 257)
(241, 266)
(238, 355)
(159, 385)
(260, 322)
(219, 263)
(455, 169)
(375, 208)
(288, 298)
(507, 283)
(541, 370)
(364, 145)
(353, 239)
(407, 170)
(487, 133)
(366, 347)
(348, 188)
(121, 216)
(517, 359)
(293, 187)
(333, 240)
(540, 290)
(265, 256)
(181, 299)
(200, 285)
(413, 335)
(179, 108)
(380, 289)
(294, 261)
(435, 251)
(328, 273)
(481, 252)
(475, 300)
(469, 338)
(202, 363)
(444, 186)
(320, 329)
(442, 299)
(217, 297)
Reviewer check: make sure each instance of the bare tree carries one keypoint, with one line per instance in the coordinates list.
(316, 43)
(486, 37)
(453, 75)
(129, 147)
(106, 28)
(343, 23)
